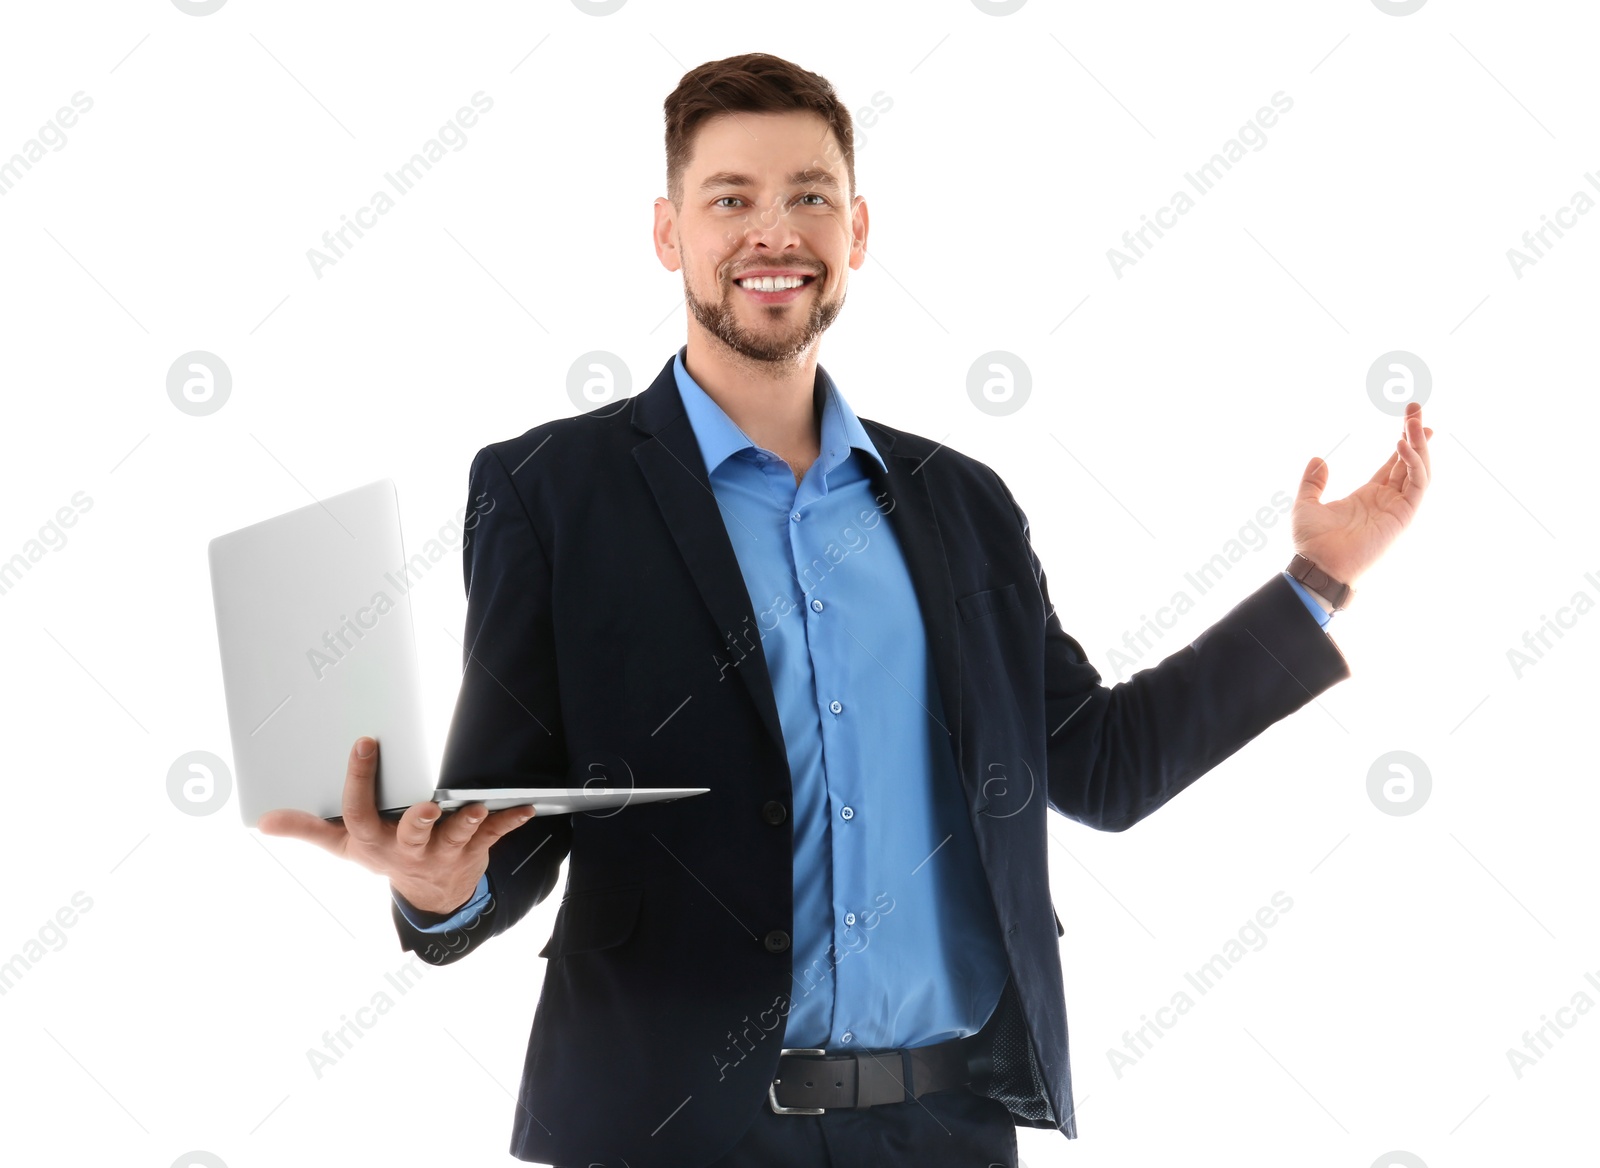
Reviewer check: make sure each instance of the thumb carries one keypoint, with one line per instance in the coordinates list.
(1312, 481)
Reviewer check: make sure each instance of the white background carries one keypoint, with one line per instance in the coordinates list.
(1168, 405)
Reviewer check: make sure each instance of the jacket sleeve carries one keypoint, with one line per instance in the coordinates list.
(1115, 754)
(506, 729)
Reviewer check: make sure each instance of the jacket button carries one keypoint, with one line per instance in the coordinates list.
(774, 812)
(776, 941)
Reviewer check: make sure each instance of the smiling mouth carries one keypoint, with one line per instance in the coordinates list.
(775, 289)
(776, 283)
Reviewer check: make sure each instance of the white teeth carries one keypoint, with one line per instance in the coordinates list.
(771, 283)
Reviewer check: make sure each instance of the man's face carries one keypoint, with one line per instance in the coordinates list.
(764, 193)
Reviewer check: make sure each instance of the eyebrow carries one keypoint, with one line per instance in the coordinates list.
(811, 176)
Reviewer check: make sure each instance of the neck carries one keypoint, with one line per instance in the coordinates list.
(772, 402)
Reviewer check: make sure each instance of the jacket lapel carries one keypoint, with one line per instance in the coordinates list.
(676, 472)
(907, 494)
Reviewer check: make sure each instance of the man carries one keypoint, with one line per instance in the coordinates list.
(841, 629)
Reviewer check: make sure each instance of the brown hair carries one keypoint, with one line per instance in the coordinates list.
(753, 83)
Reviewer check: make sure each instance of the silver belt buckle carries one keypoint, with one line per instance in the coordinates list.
(772, 1088)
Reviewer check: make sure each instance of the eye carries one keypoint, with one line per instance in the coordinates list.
(823, 200)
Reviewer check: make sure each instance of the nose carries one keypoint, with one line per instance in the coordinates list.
(769, 225)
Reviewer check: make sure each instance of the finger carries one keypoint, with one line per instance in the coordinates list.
(504, 822)
(415, 828)
(1312, 481)
(360, 807)
(1418, 435)
(459, 828)
(1418, 474)
(1398, 468)
(303, 825)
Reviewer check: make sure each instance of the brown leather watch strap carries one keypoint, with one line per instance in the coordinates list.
(1338, 593)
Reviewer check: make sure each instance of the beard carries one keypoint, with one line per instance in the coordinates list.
(786, 335)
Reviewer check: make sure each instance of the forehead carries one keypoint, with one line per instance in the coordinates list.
(764, 148)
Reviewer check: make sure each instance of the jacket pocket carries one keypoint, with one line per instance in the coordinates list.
(977, 604)
(597, 918)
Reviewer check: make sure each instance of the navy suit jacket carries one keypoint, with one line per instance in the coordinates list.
(609, 635)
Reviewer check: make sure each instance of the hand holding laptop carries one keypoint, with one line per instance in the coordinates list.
(314, 628)
(435, 865)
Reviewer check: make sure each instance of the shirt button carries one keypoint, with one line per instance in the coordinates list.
(816, 606)
(795, 517)
(847, 813)
(776, 941)
(847, 1037)
(774, 812)
(849, 918)
(835, 707)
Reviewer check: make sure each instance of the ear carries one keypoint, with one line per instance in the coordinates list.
(858, 231)
(665, 235)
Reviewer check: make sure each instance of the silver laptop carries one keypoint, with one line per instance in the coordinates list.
(314, 626)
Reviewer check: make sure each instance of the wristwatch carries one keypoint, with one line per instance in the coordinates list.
(1337, 593)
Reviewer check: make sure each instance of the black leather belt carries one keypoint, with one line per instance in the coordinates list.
(810, 1081)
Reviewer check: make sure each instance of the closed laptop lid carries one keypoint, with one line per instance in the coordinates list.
(314, 628)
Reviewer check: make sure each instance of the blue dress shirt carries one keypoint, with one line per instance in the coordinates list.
(896, 943)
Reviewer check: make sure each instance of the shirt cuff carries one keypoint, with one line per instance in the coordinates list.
(430, 922)
(1322, 615)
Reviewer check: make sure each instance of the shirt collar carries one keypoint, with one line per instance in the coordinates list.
(719, 437)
